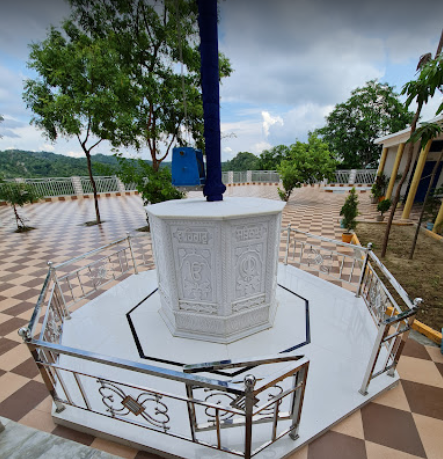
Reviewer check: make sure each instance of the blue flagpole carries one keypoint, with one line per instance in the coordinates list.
(207, 20)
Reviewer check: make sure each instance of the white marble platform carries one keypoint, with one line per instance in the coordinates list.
(342, 334)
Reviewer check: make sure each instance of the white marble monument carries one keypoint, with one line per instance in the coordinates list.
(216, 265)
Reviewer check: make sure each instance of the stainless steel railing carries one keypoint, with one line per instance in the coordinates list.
(208, 404)
(200, 405)
(391, 308)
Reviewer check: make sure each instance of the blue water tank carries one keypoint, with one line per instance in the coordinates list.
(188, 168)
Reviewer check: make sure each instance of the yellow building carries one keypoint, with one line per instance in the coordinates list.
(393, 162)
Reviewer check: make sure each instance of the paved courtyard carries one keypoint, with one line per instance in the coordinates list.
(405, 423)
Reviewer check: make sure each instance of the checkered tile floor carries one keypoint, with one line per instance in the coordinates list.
(405, 423)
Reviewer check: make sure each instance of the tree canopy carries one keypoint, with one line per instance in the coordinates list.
(244, 161)
(111, 74)
(270, 159)
(352, 127)
(307, 163)
(151, 39)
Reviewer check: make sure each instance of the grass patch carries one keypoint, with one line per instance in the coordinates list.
(422, 276)
(144, 229)
(24, 229)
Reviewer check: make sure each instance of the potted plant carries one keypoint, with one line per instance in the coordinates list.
(382, 207)
(349, 212)
(375, 193)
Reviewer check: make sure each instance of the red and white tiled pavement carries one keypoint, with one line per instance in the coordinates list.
(405, 423)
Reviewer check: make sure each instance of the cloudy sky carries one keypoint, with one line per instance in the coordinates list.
(293, 61)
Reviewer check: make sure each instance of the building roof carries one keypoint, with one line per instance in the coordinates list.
(402, 136)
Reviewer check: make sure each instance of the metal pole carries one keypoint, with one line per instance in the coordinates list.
(404, 337)
(132, 253)
(288, 241)
(53, 272)
(207, 21)
(363, 270)
(297, 400)
(249, 407)
(382, 332)
(27, 339)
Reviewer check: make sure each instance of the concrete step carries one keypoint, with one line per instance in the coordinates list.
(21, 442)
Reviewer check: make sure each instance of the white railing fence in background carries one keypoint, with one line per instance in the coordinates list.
(78, 186)
(48, 187)
(348, 177)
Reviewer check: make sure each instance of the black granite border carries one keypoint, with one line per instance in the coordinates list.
(142, 354)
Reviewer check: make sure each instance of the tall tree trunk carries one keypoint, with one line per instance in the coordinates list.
(94, 188)
(18, 220)
(155, 163)
(408, 165)
(428, 192)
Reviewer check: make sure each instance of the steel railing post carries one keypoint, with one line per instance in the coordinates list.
(297, 400)
(53, 272)
(132, 253)
(249, 410)
(404, 337)
(288, 242)
(363, 270)
(383, 330)
(27, 339)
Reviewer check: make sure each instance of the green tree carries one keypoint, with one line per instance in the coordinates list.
(79, 91)
(308, 163)
(422, 89)
(270, 159)
(152, 38)
(111, 75)
(153, 186)
(244, 161)
(352, 127)
(17, 195)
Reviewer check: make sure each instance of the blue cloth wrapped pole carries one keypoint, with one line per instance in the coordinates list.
(207, 21)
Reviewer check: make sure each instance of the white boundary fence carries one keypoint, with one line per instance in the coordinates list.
(78, 186)
(49, 187)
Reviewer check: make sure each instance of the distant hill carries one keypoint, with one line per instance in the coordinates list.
(30, 164)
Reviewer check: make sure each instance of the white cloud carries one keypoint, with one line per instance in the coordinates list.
(260, 146)
(47, 147)
(299, 121)
(431, 107)
(269, 121)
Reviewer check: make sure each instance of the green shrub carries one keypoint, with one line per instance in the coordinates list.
(349, 211)
(384, 205)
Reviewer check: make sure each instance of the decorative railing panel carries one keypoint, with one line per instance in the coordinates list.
(143, 402)
(342, 176)
(366, 176)
(363, 272)
(103, 184)
(196, 407)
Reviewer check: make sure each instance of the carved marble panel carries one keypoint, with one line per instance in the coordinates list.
(217, 266)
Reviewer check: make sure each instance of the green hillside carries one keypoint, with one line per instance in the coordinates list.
(30, 164)
(27, 164)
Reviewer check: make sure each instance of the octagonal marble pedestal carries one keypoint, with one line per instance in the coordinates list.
(216, 265)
